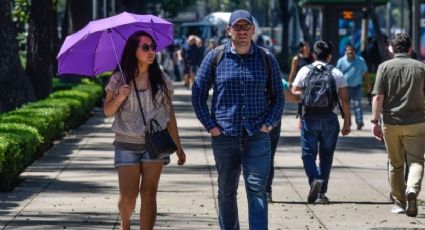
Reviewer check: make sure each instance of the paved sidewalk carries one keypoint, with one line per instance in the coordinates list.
(74, 185)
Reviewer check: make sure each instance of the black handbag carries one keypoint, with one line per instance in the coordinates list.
(158, 141)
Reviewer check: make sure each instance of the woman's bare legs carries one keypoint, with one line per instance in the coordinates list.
(129, 180)
(151, 172)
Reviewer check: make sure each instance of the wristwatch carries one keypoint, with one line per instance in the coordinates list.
(375, 121)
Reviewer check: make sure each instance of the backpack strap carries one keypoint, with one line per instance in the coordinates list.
(265, 57)
(330, 68)
(219, 54)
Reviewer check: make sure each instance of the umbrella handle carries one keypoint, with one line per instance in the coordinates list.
(116, 56)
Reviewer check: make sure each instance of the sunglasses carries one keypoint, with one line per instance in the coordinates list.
(244, 27)
(146, 47)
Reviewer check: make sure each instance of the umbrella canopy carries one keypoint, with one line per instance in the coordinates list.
(97, 47)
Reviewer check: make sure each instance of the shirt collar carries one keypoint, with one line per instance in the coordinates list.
(401, 55)
(232, 50)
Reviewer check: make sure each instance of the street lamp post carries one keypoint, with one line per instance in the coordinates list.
(415, 25)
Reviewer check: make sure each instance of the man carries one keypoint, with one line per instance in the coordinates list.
(399, 92)
(246, 105)
(319, 125)
(354, 69)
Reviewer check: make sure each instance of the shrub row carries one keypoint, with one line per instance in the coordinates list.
(27, 132)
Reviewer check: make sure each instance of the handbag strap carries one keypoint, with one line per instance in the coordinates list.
(138, 100)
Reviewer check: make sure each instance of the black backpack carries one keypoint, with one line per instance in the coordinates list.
(320, 92)
(265, 57)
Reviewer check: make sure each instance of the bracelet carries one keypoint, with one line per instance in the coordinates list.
(375, 121)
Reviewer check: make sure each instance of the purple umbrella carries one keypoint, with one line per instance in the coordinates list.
(97, 47)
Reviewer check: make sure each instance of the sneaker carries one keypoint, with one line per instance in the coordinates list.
(396, 209)
(269, 197)
(360, 126)
(322, 199)
(412, 206)
(314, 190)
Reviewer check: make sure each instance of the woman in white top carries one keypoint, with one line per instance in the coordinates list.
(136, 171)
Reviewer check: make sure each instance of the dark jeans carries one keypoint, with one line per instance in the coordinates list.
(319, 134)
(253, 154)
(274, 141)
(355, 94)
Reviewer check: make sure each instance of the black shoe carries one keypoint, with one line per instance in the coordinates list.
(412, 206)
(314, 191)
(360, 126)
(322, 199)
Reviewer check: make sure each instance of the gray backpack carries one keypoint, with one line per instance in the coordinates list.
(320, 92)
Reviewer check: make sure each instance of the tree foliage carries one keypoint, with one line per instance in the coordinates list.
(170, 8)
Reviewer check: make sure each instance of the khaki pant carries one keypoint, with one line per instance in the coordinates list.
(405, 141)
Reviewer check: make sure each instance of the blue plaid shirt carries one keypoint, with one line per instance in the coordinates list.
(239, 100)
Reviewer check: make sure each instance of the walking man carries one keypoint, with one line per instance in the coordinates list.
(354, 69)
(247, 103)
(399, 93)
(322, 87)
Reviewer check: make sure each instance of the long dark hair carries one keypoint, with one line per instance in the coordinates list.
(301, 46)
(130, 68)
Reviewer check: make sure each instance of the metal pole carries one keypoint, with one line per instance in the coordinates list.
(105, 9)
(389, 19)
(94, 9)
(113, 12)
(271, 21)
(116, 56)
(415, 25)
(365, 29)
(402, 16)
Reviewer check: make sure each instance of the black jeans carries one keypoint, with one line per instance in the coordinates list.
(274, 140)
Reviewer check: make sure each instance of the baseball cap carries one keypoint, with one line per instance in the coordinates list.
(240, 15)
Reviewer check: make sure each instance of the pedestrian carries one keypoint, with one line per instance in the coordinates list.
(211, 45)
(192, 55)
(274, 138)
(136, 172)
(399, 93)
(247, 103)
(303, 58)
(322, 87)
(354, 69)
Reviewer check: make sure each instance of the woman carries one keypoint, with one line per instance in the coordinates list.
(304, 57)
(136, 172)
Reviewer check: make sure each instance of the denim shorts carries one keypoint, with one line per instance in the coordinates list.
(129, 157)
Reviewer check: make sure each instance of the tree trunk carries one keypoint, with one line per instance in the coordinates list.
(15, 87)
(39, 53)
(79, 15)
(304, 28)
(285, 16)
(80, 12)
(382, 46)
(55, 36)
(134, 6)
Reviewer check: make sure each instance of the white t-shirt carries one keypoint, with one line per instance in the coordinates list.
(302, 74)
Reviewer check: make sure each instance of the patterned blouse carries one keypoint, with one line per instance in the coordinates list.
(128, 124)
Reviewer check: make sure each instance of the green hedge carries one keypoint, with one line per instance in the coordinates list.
(27, 132)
